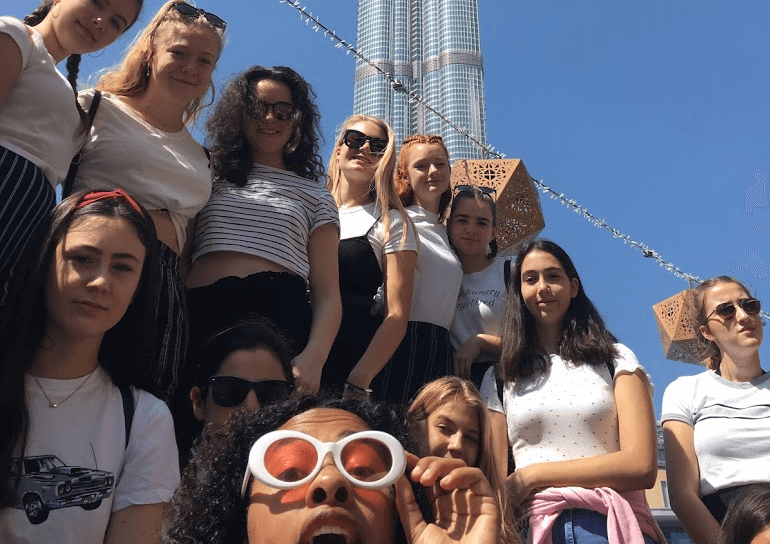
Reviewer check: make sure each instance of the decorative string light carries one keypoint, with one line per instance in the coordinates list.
(491, 152)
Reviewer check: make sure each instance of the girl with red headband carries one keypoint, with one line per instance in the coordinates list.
(91, 453)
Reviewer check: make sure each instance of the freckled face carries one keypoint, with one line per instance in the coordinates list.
(327, 505)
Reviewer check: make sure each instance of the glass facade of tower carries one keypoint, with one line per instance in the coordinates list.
(433, 48)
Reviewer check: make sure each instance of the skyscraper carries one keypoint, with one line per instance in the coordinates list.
(433, 48)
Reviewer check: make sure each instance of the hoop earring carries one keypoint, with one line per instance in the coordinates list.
(96, 56)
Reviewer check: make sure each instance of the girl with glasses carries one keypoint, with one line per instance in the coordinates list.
(269, 232)
(41, 124)
(320, 470)
(246, 365)
(140, 140)
(423, 183)
(579, 410)
(377, 255)
(716, 424)
(88, 455)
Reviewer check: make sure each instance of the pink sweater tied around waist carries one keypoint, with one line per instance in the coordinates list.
(628, 515)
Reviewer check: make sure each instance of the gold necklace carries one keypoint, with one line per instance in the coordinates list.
(57, 404)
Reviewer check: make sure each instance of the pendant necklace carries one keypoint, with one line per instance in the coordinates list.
(57, 404)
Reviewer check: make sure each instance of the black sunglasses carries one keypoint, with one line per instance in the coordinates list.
(488, 191)
(727, 310)
(191, 11)
(281, 110)
(355, 139)
(229, 391)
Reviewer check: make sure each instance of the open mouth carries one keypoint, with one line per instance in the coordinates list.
(331, 538)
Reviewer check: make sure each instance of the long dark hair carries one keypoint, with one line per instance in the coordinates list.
(231, 157)
(73, 61)
(584, 337)
(23, 331)
(207, 506)
(747, 516)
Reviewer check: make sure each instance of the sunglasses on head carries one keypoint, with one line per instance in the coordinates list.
(281, 110)
(355, 139)
(229, 391)
(191, 11)
(727, 310)
(486, 191)
(289, 459)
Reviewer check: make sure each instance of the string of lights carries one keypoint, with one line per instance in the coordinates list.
(490, 151)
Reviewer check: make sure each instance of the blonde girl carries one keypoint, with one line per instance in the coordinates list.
(139, 140)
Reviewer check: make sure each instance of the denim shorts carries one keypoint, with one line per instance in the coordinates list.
(580, 526)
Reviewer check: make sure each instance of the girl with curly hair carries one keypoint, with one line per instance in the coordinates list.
(270, 230)
(377, 254)
(140, 140)
(88, 454)
(232, 492)
(716, 424)
(41, 123)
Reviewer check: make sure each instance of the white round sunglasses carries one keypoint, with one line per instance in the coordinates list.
(289, 459)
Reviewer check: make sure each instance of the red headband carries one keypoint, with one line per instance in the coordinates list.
(102, 195)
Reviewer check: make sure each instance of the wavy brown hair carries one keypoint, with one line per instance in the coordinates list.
(130, 77)
(403, 186)
(231, 157)
(382, 188)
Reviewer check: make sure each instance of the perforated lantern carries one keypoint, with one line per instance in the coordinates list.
(677, 328)
(519, 215)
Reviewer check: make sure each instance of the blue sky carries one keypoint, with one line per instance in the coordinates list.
(655, 116)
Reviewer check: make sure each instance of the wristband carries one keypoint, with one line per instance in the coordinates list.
(355, 389)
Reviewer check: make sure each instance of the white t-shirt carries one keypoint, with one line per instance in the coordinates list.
(161, 170)
(566, 413)
(77, 470)
(731, 427)
(272, 216)
(480, 305)
(438, 274)
(358, 220)
(39, 120)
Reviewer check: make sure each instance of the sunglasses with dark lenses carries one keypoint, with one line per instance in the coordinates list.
(281, 110)
(288, 459)
(727, 310)
(355, 139)
(191, 11)
(487, 191)
(229, 391)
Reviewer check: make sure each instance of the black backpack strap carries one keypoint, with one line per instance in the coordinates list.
(507, 273)
(611, 368)
(72, 172)
(128, 409)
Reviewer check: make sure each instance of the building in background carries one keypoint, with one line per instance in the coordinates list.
(657, 498)
(432, 47)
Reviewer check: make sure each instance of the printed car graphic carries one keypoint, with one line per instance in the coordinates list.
(45, 483)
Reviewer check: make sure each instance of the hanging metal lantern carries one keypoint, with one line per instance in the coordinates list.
(677, 328)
